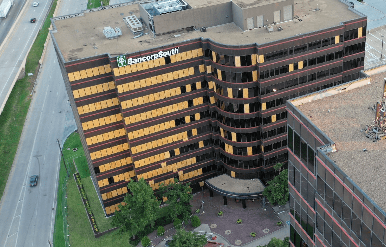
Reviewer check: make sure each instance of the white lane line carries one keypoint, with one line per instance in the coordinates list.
(30, 158)
(55, 197)
(371, 54)
(377, 38)
(14, 67)
(373, 48)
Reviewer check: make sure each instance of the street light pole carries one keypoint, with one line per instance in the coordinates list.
(382, 47)
(68, 175)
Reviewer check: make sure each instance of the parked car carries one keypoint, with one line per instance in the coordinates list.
(35, 4)
(33, 180)
(33, 20)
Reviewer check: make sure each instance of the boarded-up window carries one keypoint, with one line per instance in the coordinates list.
(276, 16)
(287, 12)
(250, 23)
(260, 21)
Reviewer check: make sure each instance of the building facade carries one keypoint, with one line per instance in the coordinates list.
(333, 200)
(198, 108)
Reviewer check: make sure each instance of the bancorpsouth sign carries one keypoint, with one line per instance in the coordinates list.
(123, 61)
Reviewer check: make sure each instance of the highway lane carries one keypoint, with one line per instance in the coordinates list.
(6, 23)
(27, 214)
(15, 49)
(38, 154)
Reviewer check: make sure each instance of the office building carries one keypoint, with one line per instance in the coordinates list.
(194, 89)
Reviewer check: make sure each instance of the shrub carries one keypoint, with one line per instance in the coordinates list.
(220, 213)
(279, 223)
(145, 241)
(196, 222)
(197, 211)
(177, 223)
(160, 231)
(239, 221)
(253, 234)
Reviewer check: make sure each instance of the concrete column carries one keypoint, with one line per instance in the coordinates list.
(210, 193)
(244, 203)
(225, 200)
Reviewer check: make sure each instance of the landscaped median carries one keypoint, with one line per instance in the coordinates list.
(97, 3)
(16, 108)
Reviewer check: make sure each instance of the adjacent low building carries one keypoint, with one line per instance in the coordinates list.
(192, 89)
(336, 175)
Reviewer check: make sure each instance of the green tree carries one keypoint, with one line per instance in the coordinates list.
(196, 222)
(277, 190)
(177, 223)
(145, 241)
(140, 208)
(178, 196)
(277, 243)
(187, 239)
(160, 231)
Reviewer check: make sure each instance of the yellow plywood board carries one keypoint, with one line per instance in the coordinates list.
(245, 93)
(237, 61)
(300, 65)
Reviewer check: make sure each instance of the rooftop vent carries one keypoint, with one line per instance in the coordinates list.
(133, 23)
(112, 33)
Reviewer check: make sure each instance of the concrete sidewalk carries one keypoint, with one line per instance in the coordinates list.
(283, 213)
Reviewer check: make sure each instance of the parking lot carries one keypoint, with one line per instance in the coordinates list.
(375, 10)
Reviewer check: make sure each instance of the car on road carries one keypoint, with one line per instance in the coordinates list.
(33, 181)
(33, 20)
(35, 4)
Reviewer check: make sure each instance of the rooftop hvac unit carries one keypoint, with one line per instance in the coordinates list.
(112, 33)
(133, 23)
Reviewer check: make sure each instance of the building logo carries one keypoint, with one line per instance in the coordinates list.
(123, 61)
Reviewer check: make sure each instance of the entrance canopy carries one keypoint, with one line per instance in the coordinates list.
(236, 188)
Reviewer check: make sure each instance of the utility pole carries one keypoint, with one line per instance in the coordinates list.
(382, 46)
(68, 175)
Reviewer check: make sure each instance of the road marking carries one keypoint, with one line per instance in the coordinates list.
(55, 196)
(29, 164)
(6, 82)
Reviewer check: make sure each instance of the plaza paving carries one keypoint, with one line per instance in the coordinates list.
(254, 219)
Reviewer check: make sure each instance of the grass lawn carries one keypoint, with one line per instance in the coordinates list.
(103, 223)
(80, 230)
(97, 3)
(60, 232)
(15, 110)
(73, 141)
(81, 234)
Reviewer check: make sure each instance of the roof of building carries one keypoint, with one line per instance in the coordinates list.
(342, 117)
(82, 36)
(240, 3)
(252, 3)
(232, 187)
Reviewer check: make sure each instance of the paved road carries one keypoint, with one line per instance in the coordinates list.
(27, 214)
(6, 24)
(16, 47)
